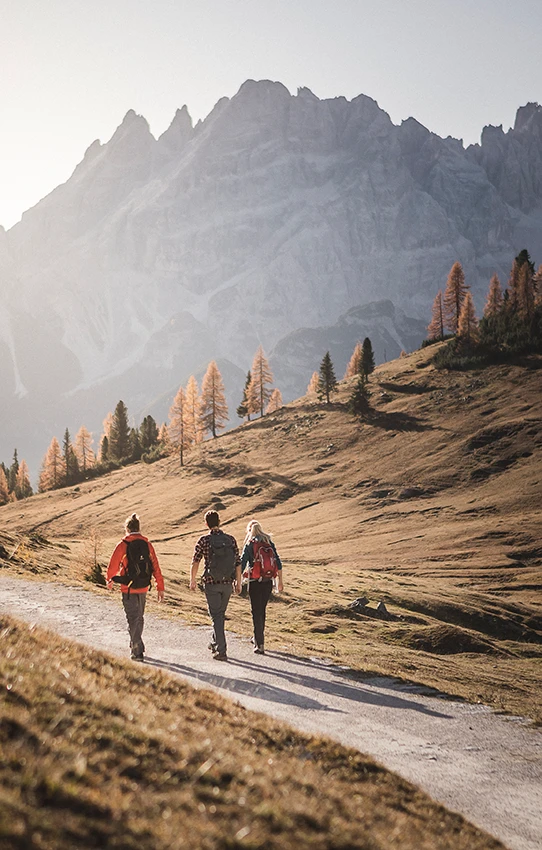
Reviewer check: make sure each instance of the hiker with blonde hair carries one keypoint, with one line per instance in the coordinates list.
(133, 565)
(261, 566)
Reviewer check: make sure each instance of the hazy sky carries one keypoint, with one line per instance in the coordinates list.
(71, 69)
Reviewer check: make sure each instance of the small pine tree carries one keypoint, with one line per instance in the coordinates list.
(526, 293)
(467, 329)
(358, 403)
(313, 383)
(4, 489)
(258, 391)
(454, 295)
(354, 364)
(13, 470)
(213, 407)
(104, 449)
(23, 488)
(494, 300)
(367, 357)
(71, 465)
(435, 329)
(148, 433)
(119, 437)
(135, 451)
(275, 402)
(327, 382)
(243, 411)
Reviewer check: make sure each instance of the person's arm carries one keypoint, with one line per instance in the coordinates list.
(157, 573)
(280, 586)
(237, 566)
(115, 562)
(196, 558)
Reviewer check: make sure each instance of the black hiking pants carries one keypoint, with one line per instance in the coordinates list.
(259, 593)
(134, 607)
(218, 596)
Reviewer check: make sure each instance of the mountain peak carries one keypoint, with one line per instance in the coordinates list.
(526, 114)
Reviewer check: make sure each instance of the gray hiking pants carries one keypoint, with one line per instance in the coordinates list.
(134, 607)
(218, 596)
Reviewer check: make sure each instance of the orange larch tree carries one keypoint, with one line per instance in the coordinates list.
(275, 401)
(435, 329)
(83, 449)
(23, 487)
(53, 471)
(4, 490)
(494, 298)
(467, 329)
(177, 424)
(213, 413)
(192, 422)
(313, 383)
(259, 392)
(454, 295)
(354, 363)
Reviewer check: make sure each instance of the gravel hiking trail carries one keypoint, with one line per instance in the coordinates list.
(488, 767)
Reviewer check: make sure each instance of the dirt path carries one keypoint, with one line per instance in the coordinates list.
(485, 766)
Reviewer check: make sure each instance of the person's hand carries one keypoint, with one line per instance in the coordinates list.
(238, 586)
(160, 595)
(280, 586)
(192, 584)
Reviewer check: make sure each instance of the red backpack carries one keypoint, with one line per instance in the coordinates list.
(265, 561)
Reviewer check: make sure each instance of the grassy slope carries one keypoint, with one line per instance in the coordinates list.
(433, 506)
(167, 766)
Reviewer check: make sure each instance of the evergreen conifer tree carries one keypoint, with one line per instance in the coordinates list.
(435, 329)
(358, 403)
(135, 445)
(148, 433)
(213, 407)
(327, 382)
(104, 449)
(526, 293)
(243, 411)
(258, 391)
(119, 437)
(454, 295)
(23, 488)
(367, 357)
(4, 489)
(71, 465)
(13, 470)
(354, 363)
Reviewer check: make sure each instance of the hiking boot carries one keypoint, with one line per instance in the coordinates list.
(138, 657)
(220, 656)
(212, 646)
(259, 650)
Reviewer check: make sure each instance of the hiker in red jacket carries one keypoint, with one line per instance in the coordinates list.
(133, 565)
(261, 566)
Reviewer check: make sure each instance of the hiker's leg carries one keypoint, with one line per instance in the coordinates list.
(134, 607)
(218, 596)
(259, 592)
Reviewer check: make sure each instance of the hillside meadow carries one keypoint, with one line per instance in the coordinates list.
(431, 505)
(99, 752)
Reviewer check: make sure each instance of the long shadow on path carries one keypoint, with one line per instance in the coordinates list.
(252, 687)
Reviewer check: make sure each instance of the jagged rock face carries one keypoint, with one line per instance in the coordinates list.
(512, 161)
(276, 213)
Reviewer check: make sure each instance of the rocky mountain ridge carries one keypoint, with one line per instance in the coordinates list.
(275, 213)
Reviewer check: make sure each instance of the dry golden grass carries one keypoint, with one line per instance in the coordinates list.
(102, 753)
(432, 505)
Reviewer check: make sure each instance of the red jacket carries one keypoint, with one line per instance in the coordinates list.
(118, 564)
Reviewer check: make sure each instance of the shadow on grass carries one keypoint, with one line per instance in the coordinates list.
(396, 421)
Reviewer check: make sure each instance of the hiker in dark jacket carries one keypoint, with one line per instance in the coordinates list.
(134, 590)
(261, 566)
(222, 572)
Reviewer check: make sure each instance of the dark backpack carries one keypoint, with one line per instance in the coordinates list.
(265, 565)
(221, 565)
(140, 570)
